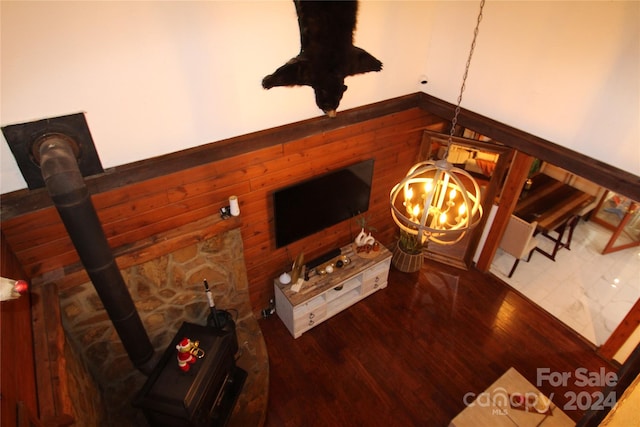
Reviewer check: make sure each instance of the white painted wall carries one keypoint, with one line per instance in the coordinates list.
(158, 77)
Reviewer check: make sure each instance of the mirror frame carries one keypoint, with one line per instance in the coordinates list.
(461, 258)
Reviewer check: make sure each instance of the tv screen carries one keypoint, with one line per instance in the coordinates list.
(310, 206)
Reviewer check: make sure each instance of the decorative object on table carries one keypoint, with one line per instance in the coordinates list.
(530, 402)
(297, 273)
(436, 201)
(367, 251)
(327, 54)
(364, 241)
(407, 254)
(333, 264)
(188, 353)
(285, 278)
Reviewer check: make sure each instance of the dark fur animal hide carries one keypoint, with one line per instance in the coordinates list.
(327, 54)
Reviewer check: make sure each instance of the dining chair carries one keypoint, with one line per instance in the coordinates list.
(518, 240)
(569, 225)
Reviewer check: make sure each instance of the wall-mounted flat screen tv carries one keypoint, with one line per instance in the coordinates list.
(308, 207)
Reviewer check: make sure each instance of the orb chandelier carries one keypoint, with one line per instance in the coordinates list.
(436, 201)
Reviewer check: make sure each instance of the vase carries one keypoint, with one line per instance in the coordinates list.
(406, 262)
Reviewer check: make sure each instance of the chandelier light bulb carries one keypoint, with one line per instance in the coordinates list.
(428, 186)
(443, 218)
(416, 211)
(408, 193)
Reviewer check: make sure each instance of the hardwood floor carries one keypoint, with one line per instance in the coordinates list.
(408, 354)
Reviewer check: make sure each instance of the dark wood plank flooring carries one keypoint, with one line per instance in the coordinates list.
(408, 354)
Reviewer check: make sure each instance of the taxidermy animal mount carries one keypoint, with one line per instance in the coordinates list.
(327, 54)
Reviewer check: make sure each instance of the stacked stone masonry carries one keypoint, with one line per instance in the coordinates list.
(167, 291)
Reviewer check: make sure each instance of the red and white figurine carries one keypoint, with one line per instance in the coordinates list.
(185, 357)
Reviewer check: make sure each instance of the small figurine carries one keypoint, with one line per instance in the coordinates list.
(186, 349)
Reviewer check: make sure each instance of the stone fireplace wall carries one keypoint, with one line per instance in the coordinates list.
(167, 291)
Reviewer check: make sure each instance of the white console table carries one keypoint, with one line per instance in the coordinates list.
(325, 295)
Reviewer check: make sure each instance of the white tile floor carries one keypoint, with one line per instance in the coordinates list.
(589, 292)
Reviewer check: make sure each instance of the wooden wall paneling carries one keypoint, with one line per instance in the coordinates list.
(128, 222)
(44, 243)
(132, 216)
(51, 264)
(47, 236)
(60, 252)
(202, 204)
(23, 201)
(325, 156)
(115, 213)
(351, 149)
(258, 158)
(49, 341)
(40, 224)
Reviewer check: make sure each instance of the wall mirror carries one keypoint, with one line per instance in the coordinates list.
(487, 162)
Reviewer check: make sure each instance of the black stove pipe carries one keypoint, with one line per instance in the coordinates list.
(71, 197)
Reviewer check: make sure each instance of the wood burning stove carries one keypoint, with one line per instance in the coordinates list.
(206, 393)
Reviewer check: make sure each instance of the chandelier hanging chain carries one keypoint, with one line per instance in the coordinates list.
(436, 201)
(454, 121)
